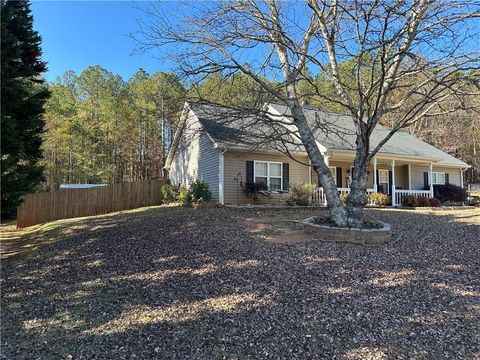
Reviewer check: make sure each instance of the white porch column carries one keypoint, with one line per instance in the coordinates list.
(327, 159)
(393, 183)
(409, 177)
(431, 180)
(375, 187)
(461, 177)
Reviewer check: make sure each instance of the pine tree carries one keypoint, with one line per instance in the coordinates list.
(23, 95)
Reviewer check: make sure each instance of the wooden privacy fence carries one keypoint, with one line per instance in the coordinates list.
(69, 203)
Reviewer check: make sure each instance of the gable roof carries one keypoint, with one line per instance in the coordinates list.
(241, 130)
(342, 137)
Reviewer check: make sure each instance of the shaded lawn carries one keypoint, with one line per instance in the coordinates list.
(184, 283)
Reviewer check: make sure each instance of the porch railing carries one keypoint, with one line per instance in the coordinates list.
(401, 194)
(319, 196)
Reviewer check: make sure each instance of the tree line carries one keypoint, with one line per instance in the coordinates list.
(102, 129)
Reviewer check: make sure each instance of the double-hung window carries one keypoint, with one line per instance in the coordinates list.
(384, 181)
(438, 178)
(269, 173)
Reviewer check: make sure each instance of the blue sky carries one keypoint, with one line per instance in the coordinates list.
(77, 34)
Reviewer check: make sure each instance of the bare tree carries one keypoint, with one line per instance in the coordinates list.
(393, 43)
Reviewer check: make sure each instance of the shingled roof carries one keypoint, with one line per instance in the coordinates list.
(242, 130)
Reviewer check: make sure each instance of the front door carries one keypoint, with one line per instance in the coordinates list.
(383, 181)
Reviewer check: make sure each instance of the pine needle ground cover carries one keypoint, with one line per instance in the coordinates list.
(203, 283)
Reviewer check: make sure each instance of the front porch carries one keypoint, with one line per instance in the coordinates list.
(395, 177)
(398, 196)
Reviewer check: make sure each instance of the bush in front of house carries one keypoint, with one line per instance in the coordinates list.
(184, 195)
(434, 202)
(450, 192)
(344, 198)
(300, 193)
(199, 192)
(423, 201)
(169, 193)
(410, 201)
(252, 190)
(378, 198)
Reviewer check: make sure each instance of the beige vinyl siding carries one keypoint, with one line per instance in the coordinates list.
(418, 170)
(400, 177)
(401, 174)
(196, 158)
(417, 176)
(453, 174)
(236, 162)
(345, 176)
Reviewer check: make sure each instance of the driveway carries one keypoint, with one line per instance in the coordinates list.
(208, 283)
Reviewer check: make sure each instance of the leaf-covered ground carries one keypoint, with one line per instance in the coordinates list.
(182, 283)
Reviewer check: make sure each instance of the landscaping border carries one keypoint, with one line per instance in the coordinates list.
(350, 235)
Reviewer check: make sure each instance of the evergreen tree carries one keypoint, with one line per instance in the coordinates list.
(22, 100)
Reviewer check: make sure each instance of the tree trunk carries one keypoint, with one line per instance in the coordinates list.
(337, 211)
(357, 198)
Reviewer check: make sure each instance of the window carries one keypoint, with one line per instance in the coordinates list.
(383, 181)
(383, 176)
(333, 170)
(269, 173)
(438, 178)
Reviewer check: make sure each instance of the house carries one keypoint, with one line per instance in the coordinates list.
(229, 148)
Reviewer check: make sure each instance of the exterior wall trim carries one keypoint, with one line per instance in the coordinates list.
(221, 172)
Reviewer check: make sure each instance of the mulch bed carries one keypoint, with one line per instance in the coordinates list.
(366, 224)
(202, 284)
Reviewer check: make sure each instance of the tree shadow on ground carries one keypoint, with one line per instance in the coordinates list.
(201, 284)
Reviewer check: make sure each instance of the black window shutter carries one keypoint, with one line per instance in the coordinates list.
(425, 180)
(249, 172)
(447, 180)
(286, 176)
(378, 184)
(390, 181)
(339, 177)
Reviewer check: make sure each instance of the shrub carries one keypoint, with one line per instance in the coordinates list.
(300, 193)
(344, 198)
(450, 192)
(184, 195)
(410, 200)
(199, 192)
(253, 189)
(169, 193)
(434, 202)
(378, 198)
(423, 201)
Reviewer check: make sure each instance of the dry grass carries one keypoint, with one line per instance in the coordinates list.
(182, 283)
(17, 242)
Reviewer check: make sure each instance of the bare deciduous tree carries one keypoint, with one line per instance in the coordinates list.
(410, 55)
